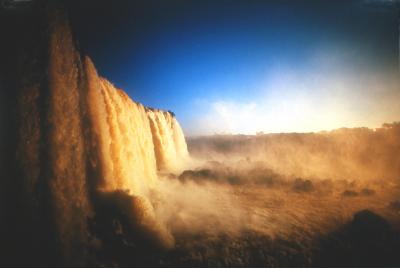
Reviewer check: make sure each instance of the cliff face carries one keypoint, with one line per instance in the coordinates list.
(74, 143)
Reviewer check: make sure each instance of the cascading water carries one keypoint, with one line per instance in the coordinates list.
(79, 142)
(169, 141)
(133, 142)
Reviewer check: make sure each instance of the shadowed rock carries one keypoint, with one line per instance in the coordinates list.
(367, 192)
(395, 205)
(349, 193)
(301, 185)
(367, 241)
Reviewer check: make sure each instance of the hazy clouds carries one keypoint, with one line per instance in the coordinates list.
(304, 101)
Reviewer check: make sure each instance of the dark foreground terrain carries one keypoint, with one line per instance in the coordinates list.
(277, 223)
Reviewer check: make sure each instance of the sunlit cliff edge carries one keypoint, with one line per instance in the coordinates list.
(74, 142)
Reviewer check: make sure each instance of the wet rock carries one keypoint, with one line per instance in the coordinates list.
(349, 193)
(395, 205)
(301, 185)
(197, 175)
(367, 192)
(367, 241)
(366, 224)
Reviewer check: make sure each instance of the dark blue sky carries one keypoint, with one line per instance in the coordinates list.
(218, 63)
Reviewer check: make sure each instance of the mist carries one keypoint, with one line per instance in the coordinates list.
(346, 153)
(94, 178)
(293, 186)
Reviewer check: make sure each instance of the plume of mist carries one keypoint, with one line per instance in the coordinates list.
(359, 153)
(268, 183)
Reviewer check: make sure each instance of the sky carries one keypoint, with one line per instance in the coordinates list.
(241, 67)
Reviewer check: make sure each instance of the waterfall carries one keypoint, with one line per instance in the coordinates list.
(78, 143)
